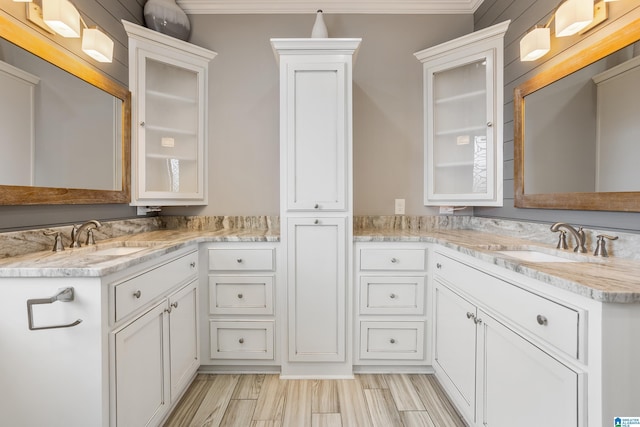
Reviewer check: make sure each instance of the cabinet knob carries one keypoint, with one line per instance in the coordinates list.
(316, 206)
(137, 294)
(142, 124)
(240, 296)
(394, 260)
(241, 340)
(193, 264)
(541, 320)
(392, 296)
(489, 124)
(477, 320)
(239, 260)
(316, 222)
(470, 315)
(174, 304)
(438, 266)
(392, 341)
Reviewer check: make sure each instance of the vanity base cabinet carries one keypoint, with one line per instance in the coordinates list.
(241, 301)
(496, 372)
(391, 308)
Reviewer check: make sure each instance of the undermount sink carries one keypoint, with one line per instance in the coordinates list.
(534, 256)
(116, 248)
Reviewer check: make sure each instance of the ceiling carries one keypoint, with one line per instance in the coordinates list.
(330, 6)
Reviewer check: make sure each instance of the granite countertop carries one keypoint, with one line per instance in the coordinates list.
(602, 279)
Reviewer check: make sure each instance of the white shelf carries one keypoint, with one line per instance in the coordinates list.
(454, 164)
(169, 156)
(457, 131)
(171, 97)
(461, 97)
(170, 130)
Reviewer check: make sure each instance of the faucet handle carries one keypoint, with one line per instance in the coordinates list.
(562, 240)
(90, 238)
(74, 236)
(57, 244)
(601, 249)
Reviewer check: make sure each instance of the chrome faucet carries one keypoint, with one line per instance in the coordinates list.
(578, 234)
(77, 231)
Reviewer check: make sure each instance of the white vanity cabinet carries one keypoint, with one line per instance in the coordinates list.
(500, 362)
(240, 301)
(168, 79)
(316, 202)
(391, 305)
(126, 363)
(463, 119)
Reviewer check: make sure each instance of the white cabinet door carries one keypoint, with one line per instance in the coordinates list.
(141, 367)
(522, 384)
(168, 79)
(463, 119)
(455, 347)
(183, 337)
(316, 136)
(316, 261)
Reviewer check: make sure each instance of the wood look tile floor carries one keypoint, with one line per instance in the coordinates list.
(258, 400)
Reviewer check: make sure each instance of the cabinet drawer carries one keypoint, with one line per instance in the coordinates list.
(553, 322)
(241, 259)
(392, 340)
(241, 340)
(393, 259)
(137, 291)
(241, 294)
(391, 295)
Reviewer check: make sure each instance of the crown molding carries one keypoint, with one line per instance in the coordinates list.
(194, 7)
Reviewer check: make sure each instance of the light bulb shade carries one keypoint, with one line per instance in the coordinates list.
(572, 16)
(62, 17)
(535, 44)
(97, 45)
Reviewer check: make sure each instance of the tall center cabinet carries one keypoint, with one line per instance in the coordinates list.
(316, 202)
(168, 79)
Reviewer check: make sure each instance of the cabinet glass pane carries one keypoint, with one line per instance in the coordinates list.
(460, 129)
(171, 128)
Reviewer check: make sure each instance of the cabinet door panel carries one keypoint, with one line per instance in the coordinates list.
(523, 385)
(316, 136)
(455, 345)
(183, 335)
(316, 289)
(142, 387)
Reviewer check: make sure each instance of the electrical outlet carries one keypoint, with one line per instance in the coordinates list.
(399, 210)
(446, 210)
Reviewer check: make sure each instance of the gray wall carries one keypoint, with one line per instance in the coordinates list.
(107, 15)
(387, 107)
(524, 14)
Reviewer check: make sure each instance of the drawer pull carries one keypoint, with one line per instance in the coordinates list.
(394, 260)
(392, 341)
(316, 206)
(240, 296)
(470, 315)
(239, 260)
(241, 340)
(392, 296)
(541, 320)
(137, 294)
(193, 264)
(316, 222)
(438, 266)
(477, 320)
(174, 304)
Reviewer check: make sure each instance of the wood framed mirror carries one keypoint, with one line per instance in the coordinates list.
(543, 154)
(88, 161)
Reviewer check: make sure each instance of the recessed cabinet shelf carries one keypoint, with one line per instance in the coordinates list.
(168, 80)
(463, 119)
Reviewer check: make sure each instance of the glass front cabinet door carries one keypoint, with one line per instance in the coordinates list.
(168, 82)
(463, 119)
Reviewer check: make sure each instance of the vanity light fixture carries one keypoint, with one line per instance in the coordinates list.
(571, 17)
(62, 17)
(97, 45)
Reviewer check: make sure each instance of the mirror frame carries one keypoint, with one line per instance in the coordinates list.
(604, 201)
(28, 195)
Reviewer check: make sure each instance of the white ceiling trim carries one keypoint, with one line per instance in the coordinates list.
(194, 7)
